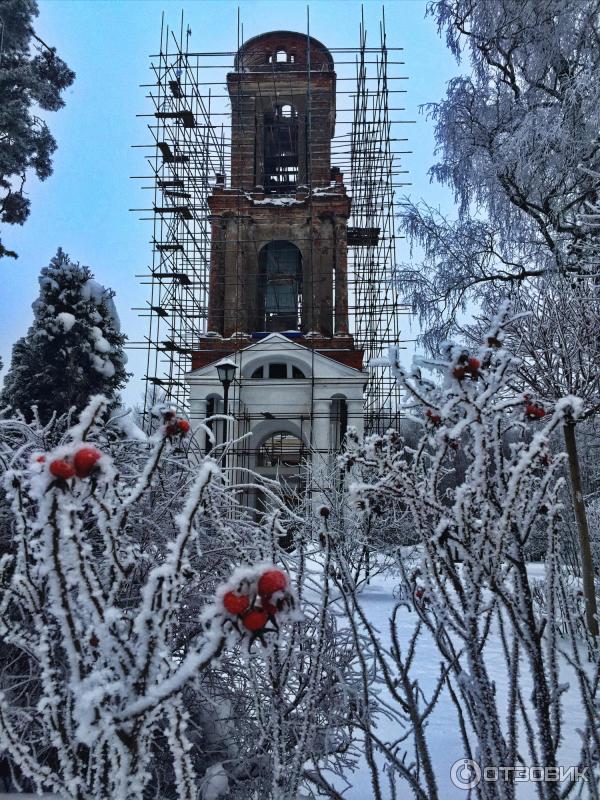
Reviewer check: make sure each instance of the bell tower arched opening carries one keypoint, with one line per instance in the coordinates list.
(281, 148)
(280, 287)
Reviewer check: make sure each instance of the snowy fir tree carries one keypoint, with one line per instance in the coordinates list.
(32, 77)
(73, 350)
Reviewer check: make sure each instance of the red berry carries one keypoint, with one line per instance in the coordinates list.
(168, 415)
(255, 620)
(183, 425)
(236, 603)
(435, 419)
(85, 460)
(474, 364)
(41, 459)
(171, 429)
(273, 580)
(268, 607)
(533, 410)
(459, 373)
(419, 592)
(61, 469)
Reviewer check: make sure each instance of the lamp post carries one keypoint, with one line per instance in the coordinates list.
(226, 372)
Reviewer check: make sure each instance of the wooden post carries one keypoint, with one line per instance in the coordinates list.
(587, 565)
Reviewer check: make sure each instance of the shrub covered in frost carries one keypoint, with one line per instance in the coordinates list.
(468, 581)
(117, 603)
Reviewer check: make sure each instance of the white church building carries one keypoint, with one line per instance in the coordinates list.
(289, 408)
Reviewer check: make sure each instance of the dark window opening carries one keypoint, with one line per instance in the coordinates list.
(281, 449)
(297, 373)
(280, 287)
(211, 410)
(281, 149)
(339, 421)
(258, 373)
(277, 370)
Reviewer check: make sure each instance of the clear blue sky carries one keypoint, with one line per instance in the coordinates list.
(84, 206)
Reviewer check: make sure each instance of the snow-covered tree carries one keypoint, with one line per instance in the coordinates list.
(74, 348)
(518, 145)
(469, 583)
(32, 77)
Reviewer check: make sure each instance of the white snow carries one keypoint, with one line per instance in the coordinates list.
(443, 733)
(276, 201)
(92, 290)
(66, 320)
(102, 365)
(100, 343)
(214, 783)
(130, 429)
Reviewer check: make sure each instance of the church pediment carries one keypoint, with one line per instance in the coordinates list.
(276, 347)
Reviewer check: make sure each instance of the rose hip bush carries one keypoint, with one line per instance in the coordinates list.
(153, 635)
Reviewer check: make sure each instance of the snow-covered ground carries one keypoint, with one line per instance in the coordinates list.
(443, 734)
(378, 600)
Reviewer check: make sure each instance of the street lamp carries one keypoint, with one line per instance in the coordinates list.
(226, 372)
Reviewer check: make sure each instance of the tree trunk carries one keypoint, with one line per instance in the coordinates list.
(587, 566)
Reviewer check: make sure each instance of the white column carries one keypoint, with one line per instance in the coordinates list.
(321, 443)
(356, 415)
(198, 415)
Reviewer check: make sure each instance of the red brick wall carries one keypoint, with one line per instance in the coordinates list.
(339, 349)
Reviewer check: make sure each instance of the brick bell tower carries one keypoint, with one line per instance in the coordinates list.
(278, 291)
(279, 233)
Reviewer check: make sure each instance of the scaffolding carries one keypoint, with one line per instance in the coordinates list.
(190, 125)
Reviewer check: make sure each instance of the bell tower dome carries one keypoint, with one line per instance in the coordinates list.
(283, 112)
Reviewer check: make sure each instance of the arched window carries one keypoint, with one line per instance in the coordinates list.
(281, 148)
(276, 370)
(281, 56)
(338, 417)
(280, 287)
(214, 405)
(281, 449)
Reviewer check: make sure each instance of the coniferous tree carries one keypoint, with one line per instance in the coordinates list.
(73, 350)
(31, 76)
